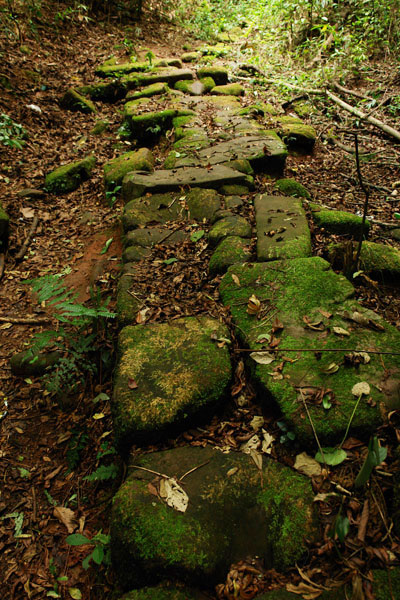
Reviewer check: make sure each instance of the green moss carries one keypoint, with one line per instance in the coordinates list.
(156, 89)
(218, 50)
(242, 165)
(234, 190)
(208, 83)
(28, 363)
(290, 187)
(303, 109)
(69, 177)
(230, 89)
(133, 254)
(202, 204)
(152, 124)
(340, 222)
(224, 101)
(72, 100)
(115, 70)
(127, 305)
(229, 226)
(297, 134)
(218, 74)
(162, 592)
(116, 169)
(231, 250)
(100, 127)
(189, 57)
(105, 92)
(379, 260)
(386, 584)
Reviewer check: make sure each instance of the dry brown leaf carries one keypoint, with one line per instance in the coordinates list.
(173, 494)
(235, 279)
(308, 592)
(67, 517)
(361, 388)
(254, 305)
(307, 465)
(340, 331)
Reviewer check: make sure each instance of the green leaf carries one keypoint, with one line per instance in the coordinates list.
(106, 246)
(86, 562)
(102, 538)
(53, 594)
(102, 397)
(326, 404)
(24, 472)
(376, 455)
(341, 529)
(169, 261)
(331, 456)
(396, 215)
(75, 593)
(197, 235)
(98, 555)
(102, 473)
(77, 539)
(62, 578)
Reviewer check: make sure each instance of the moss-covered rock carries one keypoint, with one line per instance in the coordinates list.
(133, 254)
(181, 374)
(150, 125)
(297, 134)
(202, 204)
(155, 89)
(72, 100)
(290, 187)
(111, 91)
(70, 176)
(148, 237)
(127, 305)
(233, 190)
(100, 127)
(219, 74)
(169, 76)
(189, 57)
(112, 69)
(4, 229)
(29, 363)
(298, 290)
(228, 226)
(208, 83)
(241, 164)
(224, 102)
(229, 516)
(216, 50)
(164, 592)
(193, 88)
(380, 261)
(339, 222)
(230, 251)
(116, 168)
(230, 89)
(158, 208)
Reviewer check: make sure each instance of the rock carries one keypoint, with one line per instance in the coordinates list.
(229, 517)
(218, 74)
(242, 165)
(379, 261)
(297, 134)
(180, 372)
(290, 187)
(174, 62)
(395, 234)
(189, 57)
(100, 127)
(228, 226)
(218, 50)
(156, 89)
(150, 125)
(233, 202)
(298, 290)
(72, 100)
(230, 190)
(208, 83)
(28, 363)
(31, 193)
(117, 70)
(138, 184)
(339, 221)
(169, 76)
(193, 88)
(282, 228)
(150, 236)
(230, 251)
(134, 253)
(4, 229)
(70, 176)
(158, 208)
(127, 306)
(224, 102)
(202, 204)
(116, 168)
(164, 591)
(230, 89)
(112, 91)
(265, 153)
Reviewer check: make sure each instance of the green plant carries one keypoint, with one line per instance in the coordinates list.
(101, 551)
(149, 57)
(77, 443)
(104, 472)
(11, 134)
(376, 455)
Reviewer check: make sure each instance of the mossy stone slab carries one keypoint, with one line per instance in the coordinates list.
(28, 363)
(217, 50)
(264, 153)
(133, 254)
(218, 73)
(169, 76)
(156, 89)
(230, 251)
(290, 187)
(226, 103)
(150, 125)
(69, 177)
(231, 190)
(296, 291)
(297, 134)
(158, 208)
(181, 375)
(111, 91)
(127, 305)
(4, 228)
(282, 228)
(72, 100)
(380, 261)
(193, 88)
(169, 180)
(202, 204)
(189, 57)
(230, 89)
(164, 592)
(150, 236)
(340, 222)
(228, 226)
(111, 69)
(116, 168)
(208, 83)
(234, 511)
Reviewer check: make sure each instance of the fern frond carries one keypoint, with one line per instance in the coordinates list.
(103, 472)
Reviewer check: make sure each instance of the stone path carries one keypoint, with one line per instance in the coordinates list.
(187, 513)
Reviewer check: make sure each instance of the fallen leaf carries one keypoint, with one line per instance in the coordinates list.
(340, 331)
(67, 517)
(332, 368)
(235, 279)
(257, 422)
(173, 494)
(132, 385)
(331, 456)
(254, 305)
(325, 313)
(308, 592)
(266, 444)
(232, 471)
(257, 457)
(27, 212)
(98, 416)
(307, 465)
(251, 444)
(361, 388)
(75, 593)
(262, 358)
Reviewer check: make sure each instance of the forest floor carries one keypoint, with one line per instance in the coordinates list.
(45, 451)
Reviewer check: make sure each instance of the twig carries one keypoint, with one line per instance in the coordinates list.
(366, 193)
(150, 471)
(27, 241)
(352, 92)
(25, 320)
(192, 470)
(312, 427)
(314, 350)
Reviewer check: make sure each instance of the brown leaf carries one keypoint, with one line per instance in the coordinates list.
(254, 305)
(132, 384)
(362, 526)
(67, 517)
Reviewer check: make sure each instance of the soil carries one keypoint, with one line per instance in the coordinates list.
(46, 451)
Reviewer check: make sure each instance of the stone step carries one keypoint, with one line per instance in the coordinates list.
(168, 375)
(282, 228)
(313, 309)
(235, 510)
(138, 184)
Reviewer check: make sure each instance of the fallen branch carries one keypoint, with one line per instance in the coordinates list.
(351, 92)
(25, 320)
(270, 350)
(27, 241)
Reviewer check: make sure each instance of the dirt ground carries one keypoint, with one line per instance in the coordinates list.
(45, 452)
